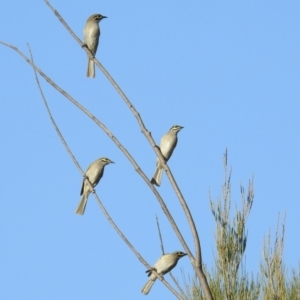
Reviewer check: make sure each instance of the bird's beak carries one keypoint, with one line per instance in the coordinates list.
(111, 162)
(103, 17)
(183, 254)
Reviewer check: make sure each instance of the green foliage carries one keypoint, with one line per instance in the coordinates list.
(276, 282)
(228, 279)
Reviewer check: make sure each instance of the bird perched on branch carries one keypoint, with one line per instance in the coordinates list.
(167, 145)
(164, 265)
(94, 173)
(91, 34)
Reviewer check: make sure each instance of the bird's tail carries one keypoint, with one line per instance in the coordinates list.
(82, 204)
(91, 69)
(157, 176)
(147, 287)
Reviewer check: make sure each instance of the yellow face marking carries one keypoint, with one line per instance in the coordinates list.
(176, 128)
(180, 254)
(106, 160)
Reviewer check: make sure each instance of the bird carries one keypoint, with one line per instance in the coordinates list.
(94, 173)
(164, 265)
(91, 33)
(167, 145)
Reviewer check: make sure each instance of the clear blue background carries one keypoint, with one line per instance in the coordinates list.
(229, 72)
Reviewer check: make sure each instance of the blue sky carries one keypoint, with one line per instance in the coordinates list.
(228, 72)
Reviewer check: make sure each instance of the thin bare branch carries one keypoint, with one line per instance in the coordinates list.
(197, 263)
(160, 237)
(94, 192)
(163, 252)
(115, 140)
(53, 121)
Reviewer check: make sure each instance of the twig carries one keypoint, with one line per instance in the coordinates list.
(54, 123)
(114, 139)
(197, 263)
(160, 237)
(147, 135)
(94, 192)
(163, 252)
